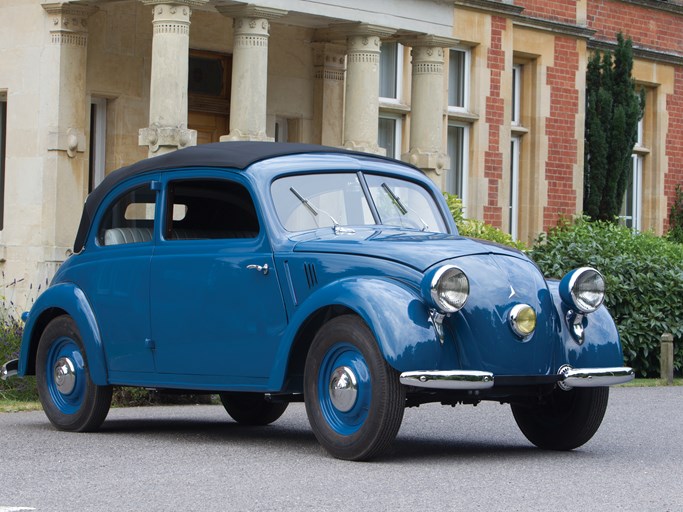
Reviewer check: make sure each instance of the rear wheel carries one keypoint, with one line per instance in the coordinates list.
(566, 421)
(70, 399)
(252, 408)
(354, 400)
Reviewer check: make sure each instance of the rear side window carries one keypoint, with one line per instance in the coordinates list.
(129, 219)
(209, 209)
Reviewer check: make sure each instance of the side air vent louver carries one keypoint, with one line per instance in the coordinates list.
(311, 277)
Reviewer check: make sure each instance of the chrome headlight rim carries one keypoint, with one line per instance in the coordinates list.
(433, 289)
(572, 297)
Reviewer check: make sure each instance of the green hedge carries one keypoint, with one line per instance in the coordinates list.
(644, 276)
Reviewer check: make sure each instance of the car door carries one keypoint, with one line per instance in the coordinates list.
(217, 308)
(114, 275)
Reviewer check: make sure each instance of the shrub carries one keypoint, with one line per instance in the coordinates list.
(644, 277)
(477, 229)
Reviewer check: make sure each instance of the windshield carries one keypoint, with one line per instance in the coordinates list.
(311, 201)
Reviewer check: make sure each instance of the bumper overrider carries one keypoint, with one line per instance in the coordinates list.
(9, 369)
(568, 378)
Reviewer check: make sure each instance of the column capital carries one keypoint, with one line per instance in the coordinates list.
(69, 23)
(427, 40)
(183, 3)
(251, 11)
(329, 61)
(346, 30)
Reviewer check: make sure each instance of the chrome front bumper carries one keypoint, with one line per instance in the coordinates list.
(9, 369)
(473, 380)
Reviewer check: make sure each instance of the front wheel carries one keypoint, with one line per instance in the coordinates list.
(71, 400)
(567, 420)
(354, 400)
(252, 408)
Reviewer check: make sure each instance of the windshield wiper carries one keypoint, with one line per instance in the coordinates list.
(403, 209)
(338, 229)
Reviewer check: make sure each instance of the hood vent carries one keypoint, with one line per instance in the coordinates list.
(311, 276)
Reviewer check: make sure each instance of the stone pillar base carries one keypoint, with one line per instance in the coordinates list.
(364, 147)
(162, 139)
(239, 135)
(428, 161)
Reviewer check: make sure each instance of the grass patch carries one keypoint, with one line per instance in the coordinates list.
(649, 383)
(18, 406)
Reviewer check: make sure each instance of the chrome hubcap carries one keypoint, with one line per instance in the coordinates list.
(65, 375)
(343, 388)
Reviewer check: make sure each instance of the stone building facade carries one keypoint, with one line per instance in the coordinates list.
(486, 96)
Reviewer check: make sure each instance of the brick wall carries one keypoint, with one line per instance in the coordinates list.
(561, 130)
(495, 115)
(674, 143)
(563, 11)
(648, 28)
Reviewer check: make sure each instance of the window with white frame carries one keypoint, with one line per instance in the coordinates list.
(458, 150)
(390, 71)
(98, 141)
(630, 214)
(458, 79)
(389, 134)
(3, 133)
(516, 94)
(515, 143)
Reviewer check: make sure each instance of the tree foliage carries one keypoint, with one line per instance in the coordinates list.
(613, 109)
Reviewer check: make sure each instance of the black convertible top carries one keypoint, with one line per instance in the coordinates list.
(235, 155)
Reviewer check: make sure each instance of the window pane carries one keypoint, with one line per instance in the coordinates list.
(210, 209)
(314, 201)
(130, 219)
(386, 136)
(388, 70)
(456, 152)
(457, 75)
(405, 204)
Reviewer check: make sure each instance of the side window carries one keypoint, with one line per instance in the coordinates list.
(209, 209)
(130, 219)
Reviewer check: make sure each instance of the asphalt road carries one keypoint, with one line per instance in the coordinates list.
(464, 458)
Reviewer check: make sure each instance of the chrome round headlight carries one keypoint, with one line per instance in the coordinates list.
(583, 289)
(523, 320)
(448, 288)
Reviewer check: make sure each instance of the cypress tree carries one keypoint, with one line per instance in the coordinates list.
(613, 109)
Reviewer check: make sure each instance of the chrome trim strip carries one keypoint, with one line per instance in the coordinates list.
(9, 369)
(450, 379)
(594, 377)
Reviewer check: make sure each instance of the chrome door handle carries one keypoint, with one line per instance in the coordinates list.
(259, 268)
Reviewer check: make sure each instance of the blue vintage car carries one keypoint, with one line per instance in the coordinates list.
(272, 273)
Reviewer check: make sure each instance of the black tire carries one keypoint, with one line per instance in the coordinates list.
(252, 408)
(568, 420)
(350, 425)
(71, 401)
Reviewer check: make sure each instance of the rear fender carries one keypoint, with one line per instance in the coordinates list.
(394, 312)
(60, 299)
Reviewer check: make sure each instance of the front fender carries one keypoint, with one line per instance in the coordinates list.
(395, 313)
(64, 298)
(601, 347)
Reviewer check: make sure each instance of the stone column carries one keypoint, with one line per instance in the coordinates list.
(167, 129)
(64, 113)
(427, 105)
(328, 93)
(362, 88)
(249, 93)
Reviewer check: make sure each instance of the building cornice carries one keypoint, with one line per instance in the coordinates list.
(490, 6)
(639, 52)
(657, 5)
